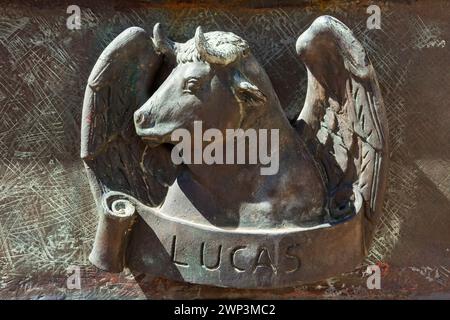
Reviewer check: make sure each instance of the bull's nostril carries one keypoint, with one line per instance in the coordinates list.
(140, 119)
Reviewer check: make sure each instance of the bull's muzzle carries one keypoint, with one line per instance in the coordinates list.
(142, 120)
(145, 128)
(143, 123)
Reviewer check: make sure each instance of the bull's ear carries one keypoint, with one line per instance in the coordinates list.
(247, 92)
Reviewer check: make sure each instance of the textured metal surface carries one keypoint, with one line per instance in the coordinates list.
(47, 216)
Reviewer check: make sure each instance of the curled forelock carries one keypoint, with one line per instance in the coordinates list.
(220, 40)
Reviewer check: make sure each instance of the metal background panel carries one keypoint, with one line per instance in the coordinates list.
(47, 212)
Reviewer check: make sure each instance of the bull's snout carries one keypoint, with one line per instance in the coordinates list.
(151, 125)
(143, 121)
(145, 128)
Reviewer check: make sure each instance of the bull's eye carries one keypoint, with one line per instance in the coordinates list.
(191, 85)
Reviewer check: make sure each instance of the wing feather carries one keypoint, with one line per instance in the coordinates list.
(342, 86)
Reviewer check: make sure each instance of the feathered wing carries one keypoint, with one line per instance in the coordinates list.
(120, 167)
(343, 119)
(116, 159)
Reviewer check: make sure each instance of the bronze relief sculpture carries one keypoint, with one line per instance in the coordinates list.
(306, 214)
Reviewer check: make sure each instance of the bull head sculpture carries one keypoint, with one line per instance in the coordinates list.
(208, 84)
(142, 89)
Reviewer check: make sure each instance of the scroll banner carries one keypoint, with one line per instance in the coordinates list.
(177, 249)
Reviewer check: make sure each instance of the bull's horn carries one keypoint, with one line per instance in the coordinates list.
(161, 42)
(210, 54)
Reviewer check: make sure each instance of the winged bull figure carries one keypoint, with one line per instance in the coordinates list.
(143, 88)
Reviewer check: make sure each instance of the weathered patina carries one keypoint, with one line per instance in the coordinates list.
(311, 219)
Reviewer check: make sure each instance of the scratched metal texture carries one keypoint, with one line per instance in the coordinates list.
(47, 214)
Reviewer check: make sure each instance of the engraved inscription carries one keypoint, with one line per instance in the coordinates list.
(240, 258)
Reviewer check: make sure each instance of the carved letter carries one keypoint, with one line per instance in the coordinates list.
(174, 252)
(202, 258)
(233, 254)
(292, 257)
(264, 260)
